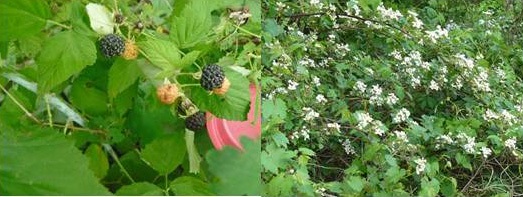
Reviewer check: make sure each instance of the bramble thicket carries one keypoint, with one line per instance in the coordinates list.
(392, 98)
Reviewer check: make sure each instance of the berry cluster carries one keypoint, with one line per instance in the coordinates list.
(195, 121)
(213, 79)
(112, 45)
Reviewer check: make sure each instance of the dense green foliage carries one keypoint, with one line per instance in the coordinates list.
(392, 98)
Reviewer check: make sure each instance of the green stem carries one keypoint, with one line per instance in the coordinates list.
(59, 24)
(188, 85)
(246, 31)
(49, 113)
(19, 105)
(111, 152)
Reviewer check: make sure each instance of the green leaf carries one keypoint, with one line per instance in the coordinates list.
(356, 183)
(274, 108)
(87, 97)
(122, 74)
(140, 189)
(274, 158)
(463, 160)
(234, 105)
(429, 188)
(188, 59)
(98, 161)
(190, 186)
(166, 153)
(101, 18)
(280, 185)
(63, 55)
(192, 25)
(43, 162)
(161, 53)
(194, 156)
(22, 18)
(448, 186)
(238, 172)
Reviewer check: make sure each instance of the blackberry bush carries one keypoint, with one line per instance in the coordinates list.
(112, 45)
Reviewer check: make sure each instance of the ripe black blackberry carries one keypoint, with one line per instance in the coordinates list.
(112, 45)
(196, 121)
(212, 77)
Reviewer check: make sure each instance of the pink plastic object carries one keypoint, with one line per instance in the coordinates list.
(225, 132)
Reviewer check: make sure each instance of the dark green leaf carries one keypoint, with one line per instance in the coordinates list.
(166, 153)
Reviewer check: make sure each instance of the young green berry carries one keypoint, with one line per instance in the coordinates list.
(212, 77)
(196, 121)
(112, 45)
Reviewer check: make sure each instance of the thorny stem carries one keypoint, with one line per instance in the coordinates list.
(111, 152)
(19, 105)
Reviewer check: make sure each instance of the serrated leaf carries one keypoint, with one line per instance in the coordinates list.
(62, 56)
(98, 161)
(140, 189)
(161, 53)
(101, 18)
(192, 25)
(356, 183)
(188, 59)
(238, 172)
(274, 158)
(234, 105)
(166, 153)
(280, 185)
(122, 74)
(22, 18)
(190, 186)
(43, 162)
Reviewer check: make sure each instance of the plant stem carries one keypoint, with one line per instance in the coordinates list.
(59, 24)
(246, 31)
(49, 114)
(19, 105)
(111, 152)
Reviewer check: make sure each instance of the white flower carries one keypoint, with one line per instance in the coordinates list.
(396, 54)
(420, 165)
(334, 126)
(389, 14)
(464, 61)
(320, 98)
(376, 90)
(349, 149)
(364, 119)
(378, 127)
(486, 152)
(490, 115)
(469, 146)
(434, 85)
(391, 99)
(402, 115)
(445, 139)
(314, 2)
(310, 113)
(360, 86)
(402, 136)
(418, 24)
(511, 143)
(305, 133)
(481, 81)
(292, 85)
(437, 34)
(316, 81)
